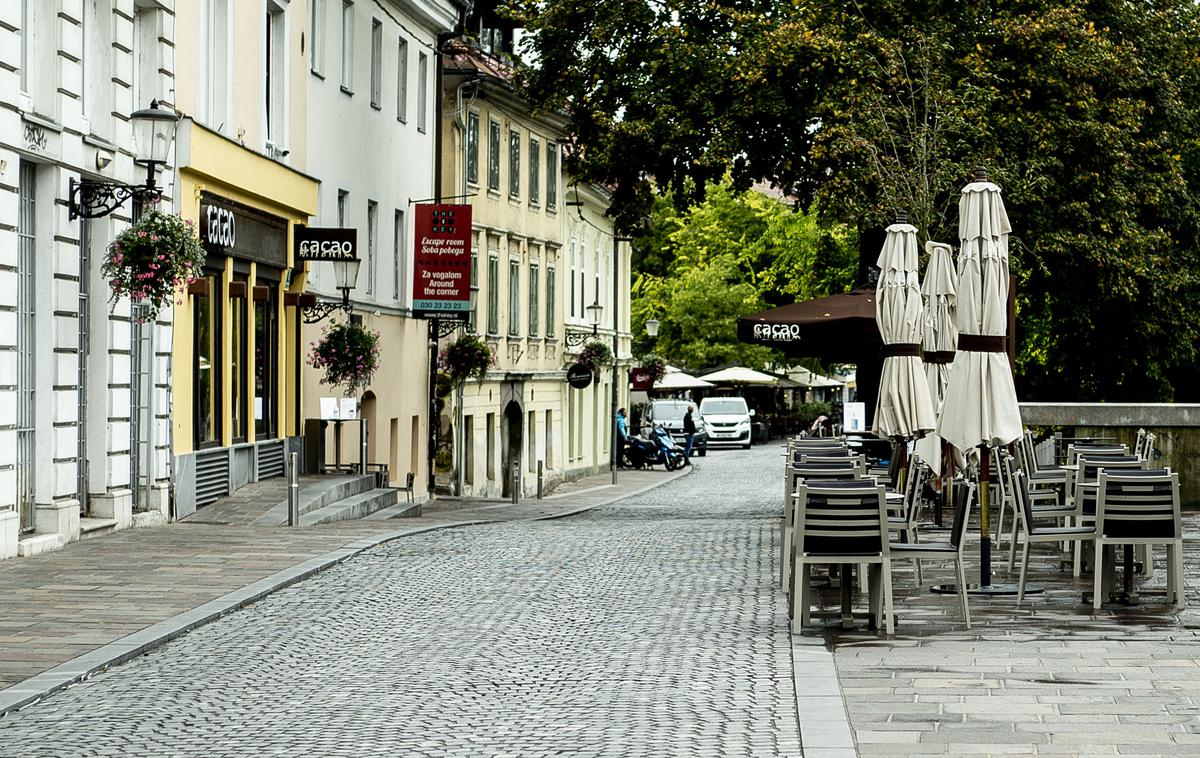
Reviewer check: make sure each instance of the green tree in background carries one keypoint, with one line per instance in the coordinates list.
(1086, 113)
(732, 254)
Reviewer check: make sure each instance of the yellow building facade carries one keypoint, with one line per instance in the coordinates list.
(237, 356)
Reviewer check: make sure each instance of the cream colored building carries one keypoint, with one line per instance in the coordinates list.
(540, 250)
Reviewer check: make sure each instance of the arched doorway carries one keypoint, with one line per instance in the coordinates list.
(512, 435)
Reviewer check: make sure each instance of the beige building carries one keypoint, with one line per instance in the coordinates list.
(542, 252)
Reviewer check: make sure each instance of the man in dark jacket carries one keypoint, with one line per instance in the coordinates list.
(689, 431)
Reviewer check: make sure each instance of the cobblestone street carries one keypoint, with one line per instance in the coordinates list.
(652, 626)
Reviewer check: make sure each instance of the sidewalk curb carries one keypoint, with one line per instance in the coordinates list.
(39, 686)
(825, 730)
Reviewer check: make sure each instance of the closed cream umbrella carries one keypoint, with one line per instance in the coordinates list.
(939, 339)
(980, 409)
(903, 410)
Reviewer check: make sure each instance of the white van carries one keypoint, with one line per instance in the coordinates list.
(728, 420)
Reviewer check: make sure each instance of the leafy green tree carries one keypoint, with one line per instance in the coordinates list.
(1086, 113)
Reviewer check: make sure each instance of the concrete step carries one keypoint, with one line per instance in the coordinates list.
(314, 497)
(90, 528)
(354, 507)
(36, 544)
(402, 509)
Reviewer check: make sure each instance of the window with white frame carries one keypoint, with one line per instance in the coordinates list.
(535, 157)
(551, 176)
(493, 155)
(422, 90)
(343, 199)
(26, 38)
(399, 266)
(276, 75)
(514, 298)
(402, 80)
(551, 275)
(372, 244)
(215, 71)
(493, 324)
(473, 148)
(473, 315)
(348, 45)
(514, 164)
(316, 36)
(376, 62)
(146, 18)
(96, 90)
(534, 286)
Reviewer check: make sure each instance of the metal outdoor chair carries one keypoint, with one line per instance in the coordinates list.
(794, 476)
(1084, 487)
(1140, 507)
(1007, 468)
(964, 494)
(1040, 534)
(902, 515)
(842, 523)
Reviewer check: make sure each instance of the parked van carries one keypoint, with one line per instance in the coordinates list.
(728, 420)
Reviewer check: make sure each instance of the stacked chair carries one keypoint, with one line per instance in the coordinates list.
(1139, 507)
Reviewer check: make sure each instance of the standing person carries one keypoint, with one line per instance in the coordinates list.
(689, 431)
(622, 437)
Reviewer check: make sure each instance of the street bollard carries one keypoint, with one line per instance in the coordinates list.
(540, 480)
(516, 482)
(293, 489)
(362, 453)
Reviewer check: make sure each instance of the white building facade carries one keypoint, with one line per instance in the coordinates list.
(84, 433)
(372, 126)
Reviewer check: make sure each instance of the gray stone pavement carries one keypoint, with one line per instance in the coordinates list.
(651, 626)
(68, 603)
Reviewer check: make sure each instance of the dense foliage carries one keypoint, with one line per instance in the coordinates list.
(1086, 113)
(152, 260)
(730, 255)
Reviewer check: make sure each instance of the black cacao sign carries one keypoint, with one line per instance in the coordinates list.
(579, 376)
(315, 243)
(231, 228)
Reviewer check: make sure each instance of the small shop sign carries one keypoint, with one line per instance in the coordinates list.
(317, 243)
(579, 376)
(442, 261)
(641, 378)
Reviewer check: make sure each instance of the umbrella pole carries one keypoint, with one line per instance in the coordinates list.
(985, 539)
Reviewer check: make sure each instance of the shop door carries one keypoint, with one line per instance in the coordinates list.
(266, 358)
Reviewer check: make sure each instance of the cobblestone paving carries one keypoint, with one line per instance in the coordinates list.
(649, 627)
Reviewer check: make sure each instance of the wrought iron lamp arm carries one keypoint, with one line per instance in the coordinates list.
(88, 198)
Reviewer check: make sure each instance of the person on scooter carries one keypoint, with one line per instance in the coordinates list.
(689, 431)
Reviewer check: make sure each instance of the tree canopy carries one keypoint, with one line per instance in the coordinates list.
(1086, 113)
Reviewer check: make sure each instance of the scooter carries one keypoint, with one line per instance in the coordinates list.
(640, 452)
(670, 454)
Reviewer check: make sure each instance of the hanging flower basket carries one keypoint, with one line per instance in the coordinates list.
(655, 367)
(348, 354)
(468, 357)
(153, 259)
(594, 355)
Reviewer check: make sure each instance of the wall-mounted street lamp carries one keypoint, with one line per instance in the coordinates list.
(345, 276)
(576, 338)
(153, 133)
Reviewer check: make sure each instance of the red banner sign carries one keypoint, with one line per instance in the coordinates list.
(641, 378)
(442, 261)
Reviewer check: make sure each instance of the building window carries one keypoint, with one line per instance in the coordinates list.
(145, 54)
(398, 248)
(206, 331)
(535, 158)
(551, 176)
(549, 452)
(216, 64)
(276, 77)
(493, 324)
(348, 45)
(25, 38)
(472, 318)
(376, 62)
(469, 450)
(473, 148)
(490, 433)
(534, 286)
(372, 243)
(343, 200)
(422, 90)
(514, 298)
(551, 274)
(402, 80)
(316, 37)
(494, 155)
(26, 344)
(237, 364)
(514, 164)
(571, 299)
